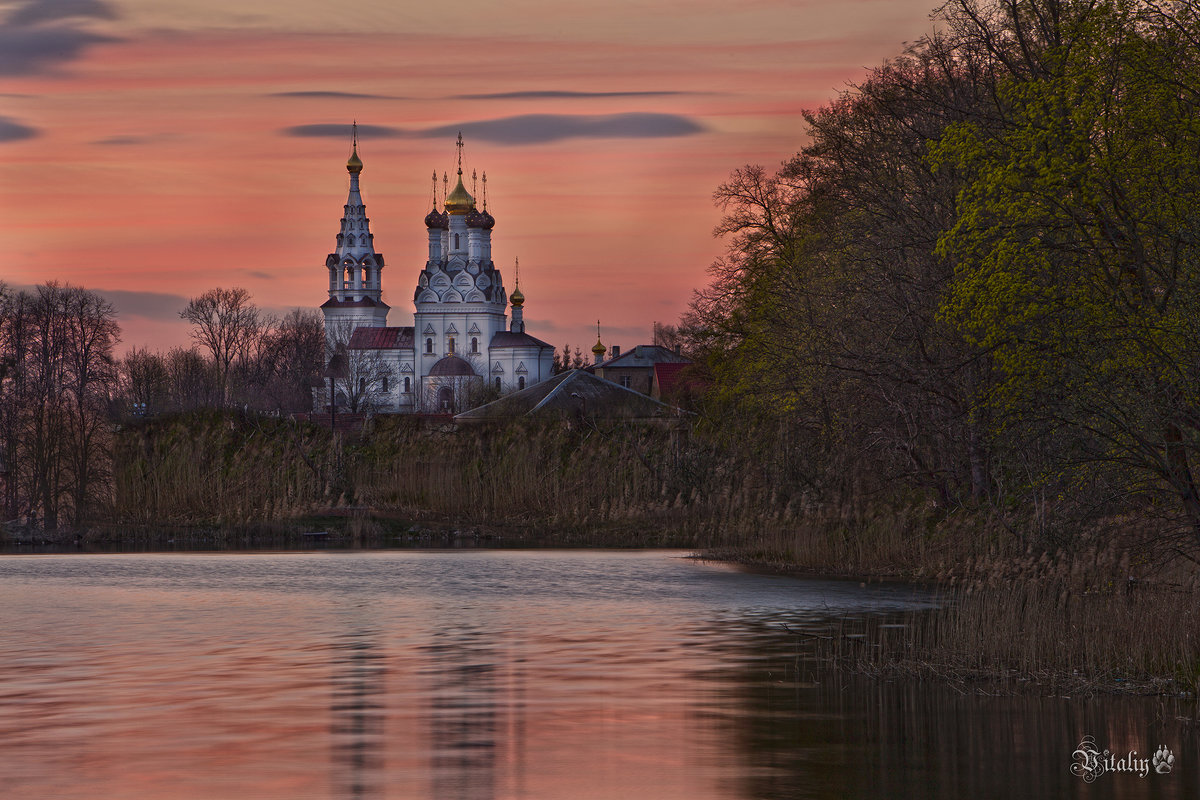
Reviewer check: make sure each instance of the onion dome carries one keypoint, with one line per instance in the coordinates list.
(451, 367)
(598, 348)
(434, 219)
(354, 164)
(516, 298)
(459, 200)
(474, 218)
(486, 220)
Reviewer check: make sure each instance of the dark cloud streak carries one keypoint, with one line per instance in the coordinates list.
(149, 305)
(346, 95)
(529, 128)
(559, 95)
(543, 128)
(53, 10)
(342, 131)
(30, 47)
(13, 131)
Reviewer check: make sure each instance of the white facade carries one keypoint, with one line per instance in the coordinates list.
(461, 348)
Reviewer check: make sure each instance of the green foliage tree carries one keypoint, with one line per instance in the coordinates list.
(1076, 241)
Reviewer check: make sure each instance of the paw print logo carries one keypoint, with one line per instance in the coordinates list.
(1163, 760)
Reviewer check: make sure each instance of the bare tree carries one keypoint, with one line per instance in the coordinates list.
(292, 357)
(228, 325)
(145, 382)
(192, 381)
(365, 375)
(57, 347)
(91, 332)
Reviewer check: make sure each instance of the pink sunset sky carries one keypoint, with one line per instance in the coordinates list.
(152, 149)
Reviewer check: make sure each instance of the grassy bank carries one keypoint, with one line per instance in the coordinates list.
(1114, 608)
(1088, 621)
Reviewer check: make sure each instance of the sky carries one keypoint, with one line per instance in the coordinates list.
(153, 149)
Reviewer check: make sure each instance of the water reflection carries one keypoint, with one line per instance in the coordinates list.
(469, 675)
(464, 716)
(357, 715)
(803, 730)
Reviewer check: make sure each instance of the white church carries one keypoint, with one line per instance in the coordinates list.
(461, 347)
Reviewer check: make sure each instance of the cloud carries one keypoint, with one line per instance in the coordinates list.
(553, 95)
(254, 273)
(29, 46)
(13, 131)
(150, 305)
(529, 128)
(542, 128)
(53, 10)
(349, 95)
(342, 131)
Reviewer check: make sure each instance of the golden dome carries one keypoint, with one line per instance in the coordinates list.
(459, 201)
(598, 348)
(354, 163)
(516, 298)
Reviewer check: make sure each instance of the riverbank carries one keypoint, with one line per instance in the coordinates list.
(1114, 606)
(1118, 614)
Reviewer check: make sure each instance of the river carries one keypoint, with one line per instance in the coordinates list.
(503, 674)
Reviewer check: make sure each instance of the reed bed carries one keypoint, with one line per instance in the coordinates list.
(1072, 622)
(213, 468)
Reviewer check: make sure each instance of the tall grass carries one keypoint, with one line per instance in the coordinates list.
(220, 468)
(1073, 621)
(629, 483)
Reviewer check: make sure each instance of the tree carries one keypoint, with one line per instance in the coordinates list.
(228, 325)
(364, 371)
(292, 357)
(145, 381)
(1079, 262)
(57, 343)
(822, 321)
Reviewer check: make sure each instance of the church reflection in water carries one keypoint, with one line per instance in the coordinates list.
(469, 730)
(357, 716)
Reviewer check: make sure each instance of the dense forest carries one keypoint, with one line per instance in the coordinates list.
(977, 285)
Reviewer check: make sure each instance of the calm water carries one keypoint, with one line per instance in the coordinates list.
(494, 674)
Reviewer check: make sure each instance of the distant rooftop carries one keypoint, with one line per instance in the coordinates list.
(571, 394)
(645, 356)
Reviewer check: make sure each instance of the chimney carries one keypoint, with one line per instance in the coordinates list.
(616, 351)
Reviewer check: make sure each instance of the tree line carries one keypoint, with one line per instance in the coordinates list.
(63, 388)
(978, 282)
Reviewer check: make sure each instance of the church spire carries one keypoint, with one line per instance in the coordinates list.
(517, 300)
(598, 349)
(355, 266)
(354, 164)
(459, 201)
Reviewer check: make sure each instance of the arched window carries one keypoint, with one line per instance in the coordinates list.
(456, 241)
(429, 345)
(474, 344)
(497, 384)
(450, 345)
(521, 382)
(407, 386)
(385, 383)
(362, 385)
